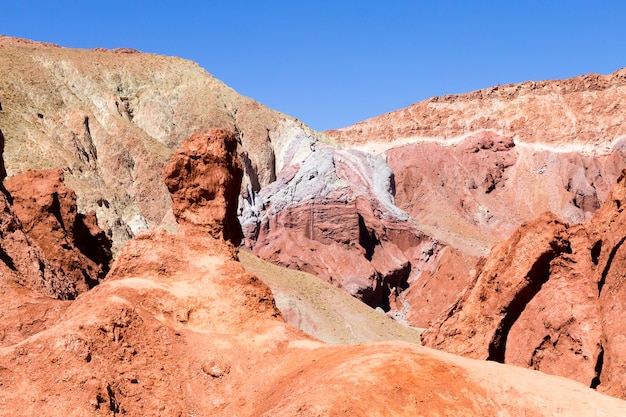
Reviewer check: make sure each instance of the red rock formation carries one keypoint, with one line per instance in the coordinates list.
(607, 235)
(71, 241)
(22, 262)
(478, 324)
(549, 298)
(179, 328)
(204, 178)
(436, 290)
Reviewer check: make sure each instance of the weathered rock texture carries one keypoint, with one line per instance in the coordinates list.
(549, 298)
(179, 328)
(477, 192)
(110, 120)
(23, 263)
(204, 178)
(71, 241)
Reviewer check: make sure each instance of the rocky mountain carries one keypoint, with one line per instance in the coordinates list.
(110, 120)
(133, 177)
(109, 125)
(179, 328)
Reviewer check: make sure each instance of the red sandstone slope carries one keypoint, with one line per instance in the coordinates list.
(550, 298)
(179, 328)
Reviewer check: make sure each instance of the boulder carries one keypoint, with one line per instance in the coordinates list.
(204, 178)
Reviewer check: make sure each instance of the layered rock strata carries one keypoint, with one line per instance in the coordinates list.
(582, 113)
(333, 215)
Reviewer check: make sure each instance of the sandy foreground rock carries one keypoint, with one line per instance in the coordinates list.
(179, 328)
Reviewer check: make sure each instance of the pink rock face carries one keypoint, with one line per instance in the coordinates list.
(436, 290)
(549, 298)
(204, 179)
(477, 192)
(337, 243)
(71, 241)
(333, 216)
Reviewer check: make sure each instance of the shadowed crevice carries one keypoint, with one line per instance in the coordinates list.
(607, 266)
(6, 258)
(598, 369)
(367, 239)
(595, 252)
(537, 276)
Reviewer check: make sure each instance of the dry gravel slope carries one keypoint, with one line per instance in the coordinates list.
(324, 311)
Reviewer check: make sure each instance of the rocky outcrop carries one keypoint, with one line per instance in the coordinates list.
(71, 241)
(436, 290)
(476, 192)
(541, 300)
(204, 178)
(22, 263)
(506, 281)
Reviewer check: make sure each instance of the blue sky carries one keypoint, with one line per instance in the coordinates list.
(333, 63)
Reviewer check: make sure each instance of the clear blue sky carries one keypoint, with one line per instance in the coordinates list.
(333, 63)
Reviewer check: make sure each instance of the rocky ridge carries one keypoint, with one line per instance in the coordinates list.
(584, 112)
